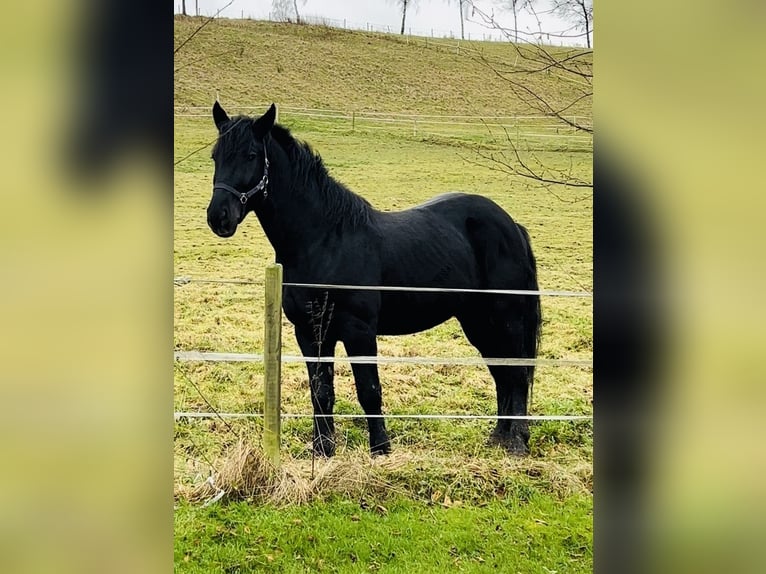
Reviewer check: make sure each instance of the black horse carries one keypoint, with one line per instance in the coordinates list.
(323, 233)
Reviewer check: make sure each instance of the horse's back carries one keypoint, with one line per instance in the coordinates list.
(427, 245)
(489, 229)
(461, 201)
(446, 242)
(427, 242)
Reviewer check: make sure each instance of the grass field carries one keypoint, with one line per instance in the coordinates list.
(443, 499)
(248, 63)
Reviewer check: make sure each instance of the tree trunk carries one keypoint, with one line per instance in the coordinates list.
(462, 28)
(183, 7)
(297, 15)
(404, 14)
(586, 20)
(515, 24)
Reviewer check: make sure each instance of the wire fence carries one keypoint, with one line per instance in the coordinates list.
(409, 32)
(182, 280)
(216, 357)
(532, 418)
(486, 35)
(467, 127)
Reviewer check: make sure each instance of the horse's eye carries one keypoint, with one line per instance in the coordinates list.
(252, 156)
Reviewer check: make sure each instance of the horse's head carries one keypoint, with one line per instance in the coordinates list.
(241, 168)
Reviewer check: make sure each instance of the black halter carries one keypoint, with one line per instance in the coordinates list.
(261, 186)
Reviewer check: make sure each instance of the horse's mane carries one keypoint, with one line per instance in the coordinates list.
(339, 203)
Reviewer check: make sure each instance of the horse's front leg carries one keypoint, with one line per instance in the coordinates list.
(360, 340)
(321, 377)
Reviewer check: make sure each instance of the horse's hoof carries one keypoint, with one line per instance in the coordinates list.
(380, 448)
(514, 444)
(324, 446)
(517, 449)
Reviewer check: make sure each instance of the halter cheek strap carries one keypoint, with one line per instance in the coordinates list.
(262, 185)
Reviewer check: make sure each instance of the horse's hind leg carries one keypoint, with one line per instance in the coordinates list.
(500, 334)
(321, 377)
(512, 392)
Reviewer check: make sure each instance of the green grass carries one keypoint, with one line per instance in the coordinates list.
(528, 535)
(251, 63)
(543, 503)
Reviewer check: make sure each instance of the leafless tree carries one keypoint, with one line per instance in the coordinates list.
(404, 5)
(183, 7)
(286, 9)
(515, 6)
(573, 70)
(295, 6)
(578, 12)
(464, 6)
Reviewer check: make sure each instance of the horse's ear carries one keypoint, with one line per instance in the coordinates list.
(219, 116)
(263, 125)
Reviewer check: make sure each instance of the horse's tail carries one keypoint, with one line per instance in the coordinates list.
(532, 311)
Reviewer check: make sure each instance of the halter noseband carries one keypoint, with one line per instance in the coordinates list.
(262, 185)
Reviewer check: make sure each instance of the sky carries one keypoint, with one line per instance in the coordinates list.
(441, 16)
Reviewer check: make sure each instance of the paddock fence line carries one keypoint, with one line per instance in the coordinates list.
(411, 34)
(494, 126)
(179, 415)
(430, 34)
(216, 357)
(184, 280)
(433, 35)
(272, 358)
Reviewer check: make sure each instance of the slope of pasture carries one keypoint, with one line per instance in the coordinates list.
(252, 62)
(543, 503)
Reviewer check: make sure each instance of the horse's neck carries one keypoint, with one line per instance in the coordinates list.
(292, 219)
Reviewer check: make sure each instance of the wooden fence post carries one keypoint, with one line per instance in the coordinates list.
(272, 363)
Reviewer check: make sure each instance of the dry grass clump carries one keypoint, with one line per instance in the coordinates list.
(244, 473)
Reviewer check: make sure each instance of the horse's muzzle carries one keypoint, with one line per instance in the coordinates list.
(221, 223)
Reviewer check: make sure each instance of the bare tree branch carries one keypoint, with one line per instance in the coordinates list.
(580, 12)
(574, 70)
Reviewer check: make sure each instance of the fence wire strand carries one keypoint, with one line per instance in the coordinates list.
(214, 357)
(203, 415)
(180, 281)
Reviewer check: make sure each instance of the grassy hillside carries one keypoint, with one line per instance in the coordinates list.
(252, 62)
(444, 499)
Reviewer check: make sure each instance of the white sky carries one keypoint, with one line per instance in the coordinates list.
(439, 15)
